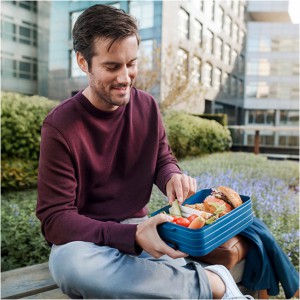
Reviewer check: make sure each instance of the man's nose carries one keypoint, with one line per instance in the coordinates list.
(123, 76)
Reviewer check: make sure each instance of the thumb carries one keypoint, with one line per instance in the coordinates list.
(162, 218)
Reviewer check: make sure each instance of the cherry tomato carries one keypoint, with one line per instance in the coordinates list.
(183, 222)
(192, 217)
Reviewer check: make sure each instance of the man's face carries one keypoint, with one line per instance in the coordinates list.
(112, 73)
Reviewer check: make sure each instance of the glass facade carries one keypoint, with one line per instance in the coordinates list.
(144, 12)
(272, 81)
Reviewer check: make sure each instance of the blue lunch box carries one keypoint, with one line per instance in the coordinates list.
(199, 242)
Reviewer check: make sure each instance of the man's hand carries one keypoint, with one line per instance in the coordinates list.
(148, 238)
(180, 187)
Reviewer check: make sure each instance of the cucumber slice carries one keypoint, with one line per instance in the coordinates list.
(175, 209)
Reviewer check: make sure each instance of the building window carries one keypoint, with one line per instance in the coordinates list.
(284, 45)
(198, 33)
(9, 68)
(235, 32)
(226, 54)
(209, 44)
(266, 117)
(233, 85)
(219, 15)
(25, 69)
(218, 48)
(234, 55)
(8, 31)
(26, 34)
(73, 18)
(196, 72)
(183, 63)
(241, 36)
(289, 117)
(289, 140)
(184, 24)
(257, 90)
(146, 52)
(241, 64)
(144, 12)
(210, 9)
(29, 5)
(217, 78)
(75, 71)
(225, 83)
(227, 25)
(240, 88)
(241, 10)
(207, 74)
(235, 7)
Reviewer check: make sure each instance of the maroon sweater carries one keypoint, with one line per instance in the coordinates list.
(97, 168)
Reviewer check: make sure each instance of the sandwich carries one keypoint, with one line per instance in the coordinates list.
(222, 200)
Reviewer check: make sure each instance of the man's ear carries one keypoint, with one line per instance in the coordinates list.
(82, 63)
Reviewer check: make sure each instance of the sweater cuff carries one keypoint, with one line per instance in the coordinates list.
(123, 238)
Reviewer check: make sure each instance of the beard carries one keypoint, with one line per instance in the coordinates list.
(109, 96)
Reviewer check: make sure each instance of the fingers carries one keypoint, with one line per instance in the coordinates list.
(180, 186)
(161, 247)
(148, 239)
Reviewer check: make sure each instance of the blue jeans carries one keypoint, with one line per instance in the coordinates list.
(85, 270)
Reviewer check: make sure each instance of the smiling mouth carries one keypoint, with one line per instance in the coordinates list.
(121, 88)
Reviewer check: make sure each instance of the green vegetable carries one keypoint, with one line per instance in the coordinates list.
(175, 209)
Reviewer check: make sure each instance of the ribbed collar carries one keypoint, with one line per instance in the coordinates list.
(96, 111)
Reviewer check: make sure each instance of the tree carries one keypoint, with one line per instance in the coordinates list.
(180, 87)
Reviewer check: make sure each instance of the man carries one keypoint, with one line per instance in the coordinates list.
(101, 152)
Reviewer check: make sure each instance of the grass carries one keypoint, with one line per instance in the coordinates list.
(272, 185)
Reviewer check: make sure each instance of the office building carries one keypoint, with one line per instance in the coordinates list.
(272, 75)
(206, 36)
(24, 46)
(242, 55)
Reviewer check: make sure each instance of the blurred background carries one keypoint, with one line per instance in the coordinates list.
(234, 57)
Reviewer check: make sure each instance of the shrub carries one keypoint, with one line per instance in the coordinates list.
(21, 121)
(220, 118)
(22, 243)
(18, 174)
(192, 136)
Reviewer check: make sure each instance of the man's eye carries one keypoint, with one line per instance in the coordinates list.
(132, 64)
(112, 67)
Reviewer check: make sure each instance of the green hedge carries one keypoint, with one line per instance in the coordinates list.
(21, 120)
(22, 243)
(220, 118)
(192, 136)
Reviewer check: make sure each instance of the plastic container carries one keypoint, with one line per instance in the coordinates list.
(199, 242)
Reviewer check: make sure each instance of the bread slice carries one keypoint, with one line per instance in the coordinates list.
(233, 197)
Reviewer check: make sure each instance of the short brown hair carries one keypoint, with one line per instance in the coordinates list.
(102, 21)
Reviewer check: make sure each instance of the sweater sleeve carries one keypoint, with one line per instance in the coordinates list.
(166, 163)
(56, 205)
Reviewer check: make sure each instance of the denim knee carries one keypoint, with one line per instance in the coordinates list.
(75, 268)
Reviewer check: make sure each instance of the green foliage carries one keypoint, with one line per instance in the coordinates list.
(21, 121)
(220, 118)
(18, 174)
(193, 136)
(22, 243)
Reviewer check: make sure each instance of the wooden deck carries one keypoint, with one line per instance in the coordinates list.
(33, 282)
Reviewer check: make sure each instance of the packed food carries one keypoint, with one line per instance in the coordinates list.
(221, 201)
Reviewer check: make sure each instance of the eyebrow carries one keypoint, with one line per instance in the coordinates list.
(115, 62)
